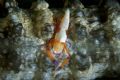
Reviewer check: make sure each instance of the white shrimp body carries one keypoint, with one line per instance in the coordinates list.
(61, 35)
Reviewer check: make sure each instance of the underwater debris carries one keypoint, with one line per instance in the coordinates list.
(43, 21)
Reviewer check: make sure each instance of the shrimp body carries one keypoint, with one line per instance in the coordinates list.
(56, 47)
